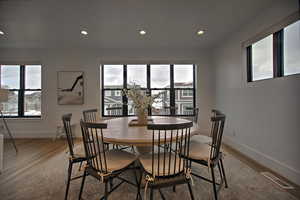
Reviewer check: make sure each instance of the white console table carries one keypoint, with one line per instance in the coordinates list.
(1, 152)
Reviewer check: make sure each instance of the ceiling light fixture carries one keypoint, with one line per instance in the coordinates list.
(200, 32)
(1, 33)
(143, 32)
(84, 32)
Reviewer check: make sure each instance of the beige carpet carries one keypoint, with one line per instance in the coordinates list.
(42, 174)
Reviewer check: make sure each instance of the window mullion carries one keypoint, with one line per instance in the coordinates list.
(278, 54)
(249, 64)
(148, 91)
(124, 98)
(21, 92)
(102, 93)
(172, 91)
(194, 89)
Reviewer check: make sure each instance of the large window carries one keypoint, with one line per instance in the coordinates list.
(276, 55)
(24, 85)
(174, 83)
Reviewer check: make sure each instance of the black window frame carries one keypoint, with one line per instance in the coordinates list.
(278, 56)
(21, 93)
(148, 90)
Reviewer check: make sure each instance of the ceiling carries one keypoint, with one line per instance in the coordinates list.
(115, 23)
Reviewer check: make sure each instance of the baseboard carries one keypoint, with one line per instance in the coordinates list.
(38, 135)
(281, 168)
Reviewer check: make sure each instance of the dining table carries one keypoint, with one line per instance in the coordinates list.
(120, 132)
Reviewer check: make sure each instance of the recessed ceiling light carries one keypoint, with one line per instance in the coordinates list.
(143, 32)
(1, 33)
(200, 32)
(84, 32)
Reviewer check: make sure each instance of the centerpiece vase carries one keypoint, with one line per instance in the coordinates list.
(142, 117)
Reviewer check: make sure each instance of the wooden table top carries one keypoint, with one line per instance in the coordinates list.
(119, 132)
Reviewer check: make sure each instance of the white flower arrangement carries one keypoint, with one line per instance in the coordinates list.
(141, 101)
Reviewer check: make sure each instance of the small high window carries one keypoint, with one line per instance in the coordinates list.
(275, 55)
(292, 49)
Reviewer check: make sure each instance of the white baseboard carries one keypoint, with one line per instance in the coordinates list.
(38, 135)
(281, 168)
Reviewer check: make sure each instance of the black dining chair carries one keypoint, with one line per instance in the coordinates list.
(210, 155)
(74, 157)
(164, 166)
(102, 164)
(90, 115)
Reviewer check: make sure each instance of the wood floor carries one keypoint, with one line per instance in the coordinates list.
(38, 171)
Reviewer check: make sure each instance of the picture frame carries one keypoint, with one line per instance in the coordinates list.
(70, 87)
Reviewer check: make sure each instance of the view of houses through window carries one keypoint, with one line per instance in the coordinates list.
(174, 83)
(24, 85)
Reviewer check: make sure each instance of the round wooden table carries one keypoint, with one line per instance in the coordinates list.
(119, 132)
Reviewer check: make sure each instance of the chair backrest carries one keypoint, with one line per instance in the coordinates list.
(114, 111)
(218, 123)
(216, 112)
(68, 130)
(92, 134)
(90, 115)
(170, 146)
(196, 113)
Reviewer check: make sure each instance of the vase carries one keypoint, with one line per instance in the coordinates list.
(142, 117)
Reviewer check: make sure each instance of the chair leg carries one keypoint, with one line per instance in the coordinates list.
(106, 191)
(82, 184)
(79, 169)
(138, 181)
(151, 194)
(161, 194)
(69, 179)
(220, 172)
(214, 183)
(111, 184)
(191, 191)
(174, 188)
(222, 167)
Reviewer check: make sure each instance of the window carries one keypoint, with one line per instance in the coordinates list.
(187, 93)
(292, 49)
(24, 84)
(137, 74)
(276, 55)
(262, 59)
(160, 84)
(174, 83)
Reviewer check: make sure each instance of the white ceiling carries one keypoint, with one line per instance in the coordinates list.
(115, 23)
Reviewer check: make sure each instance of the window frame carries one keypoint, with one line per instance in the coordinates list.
(277, 31)
(21, 93)
(149, 90)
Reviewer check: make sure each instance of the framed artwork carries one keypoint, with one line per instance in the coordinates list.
(70, 86)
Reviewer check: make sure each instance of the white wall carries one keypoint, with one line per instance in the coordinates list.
(262, 117)
(54, 60)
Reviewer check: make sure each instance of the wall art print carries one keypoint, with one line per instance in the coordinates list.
(70, 88)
